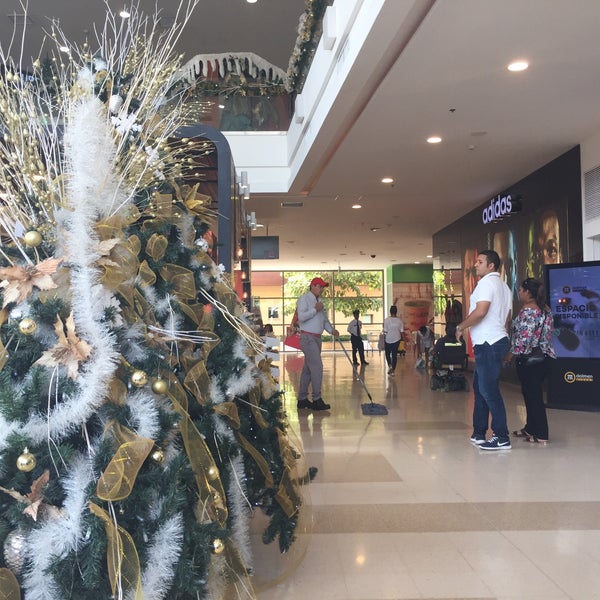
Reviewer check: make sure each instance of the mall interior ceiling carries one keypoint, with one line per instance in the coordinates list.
(427, 67)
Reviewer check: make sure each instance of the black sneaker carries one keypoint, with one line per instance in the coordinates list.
(318, 404)
(355, 363)
(364, 363)
(477, 439)
(496, 443)
(306, 403)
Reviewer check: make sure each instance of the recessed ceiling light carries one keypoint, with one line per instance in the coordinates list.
(434, 139)
(518, 65)
(357, 206)
(430, 256)
(124, 14)
(251, 1)
(417, 262)
(375, 228)
(64, 49)
(387, 180)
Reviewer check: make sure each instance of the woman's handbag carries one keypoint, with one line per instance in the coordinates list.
(292, 339)
(535, 357)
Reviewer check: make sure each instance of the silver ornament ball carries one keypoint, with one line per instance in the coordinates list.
(14, 550)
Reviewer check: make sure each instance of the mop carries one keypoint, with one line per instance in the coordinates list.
(367, 409)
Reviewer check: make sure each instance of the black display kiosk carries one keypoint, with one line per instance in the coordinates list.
(573, 293)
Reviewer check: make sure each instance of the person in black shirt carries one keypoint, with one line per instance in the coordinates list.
(358, 346)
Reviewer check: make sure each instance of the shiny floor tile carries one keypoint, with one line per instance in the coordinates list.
(352, 467)
(403, 507)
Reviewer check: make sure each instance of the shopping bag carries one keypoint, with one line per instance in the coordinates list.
(381, 342)
(292, 339)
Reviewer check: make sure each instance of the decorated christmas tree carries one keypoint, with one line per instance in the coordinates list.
(140, 427)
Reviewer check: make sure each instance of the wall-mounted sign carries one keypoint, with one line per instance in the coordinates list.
(500, 207)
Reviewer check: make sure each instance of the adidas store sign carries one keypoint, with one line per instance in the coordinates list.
(500, 207)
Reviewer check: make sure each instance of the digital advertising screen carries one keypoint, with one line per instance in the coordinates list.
(573, 291)
(265, 247)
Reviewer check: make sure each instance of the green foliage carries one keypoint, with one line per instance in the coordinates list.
(344, 285)
(439, 291)
(347, 291)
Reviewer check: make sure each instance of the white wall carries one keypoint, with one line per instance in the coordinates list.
(590, 158)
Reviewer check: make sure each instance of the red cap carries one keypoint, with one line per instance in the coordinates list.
(319, 281)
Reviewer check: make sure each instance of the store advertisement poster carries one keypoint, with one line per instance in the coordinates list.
(574, 298)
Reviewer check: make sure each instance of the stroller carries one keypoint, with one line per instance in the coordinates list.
(449, 361)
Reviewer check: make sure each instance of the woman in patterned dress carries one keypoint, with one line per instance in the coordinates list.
(531, 332)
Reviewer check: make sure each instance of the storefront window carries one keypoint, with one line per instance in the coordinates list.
(274, 296)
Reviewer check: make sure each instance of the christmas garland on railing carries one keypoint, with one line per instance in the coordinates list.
(309, 34)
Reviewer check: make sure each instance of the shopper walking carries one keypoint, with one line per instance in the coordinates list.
(531, 345)
(490, 306)
(313, 320)
(424, 344)
(393, 327)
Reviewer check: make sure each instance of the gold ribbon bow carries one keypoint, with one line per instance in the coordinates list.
(156, 246)
(259, 459)
(3, 351)
(118, 478)
(182, 280)
(229, 411)
(211, 505)
(197, 382)
(254, 398)
(9, 586)
(121, 556)
(288, 493)
(228, 297)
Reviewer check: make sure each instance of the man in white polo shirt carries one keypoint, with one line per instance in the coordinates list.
(490, 307)
(312, 319)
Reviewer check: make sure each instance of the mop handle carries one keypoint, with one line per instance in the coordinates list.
(355, 370)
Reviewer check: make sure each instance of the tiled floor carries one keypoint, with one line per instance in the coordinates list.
(404, 507)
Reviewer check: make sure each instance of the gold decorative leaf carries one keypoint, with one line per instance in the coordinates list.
(69, 350)
(18, 282)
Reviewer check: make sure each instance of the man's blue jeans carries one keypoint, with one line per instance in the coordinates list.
(486, 386)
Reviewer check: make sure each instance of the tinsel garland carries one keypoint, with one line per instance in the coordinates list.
(135, 425)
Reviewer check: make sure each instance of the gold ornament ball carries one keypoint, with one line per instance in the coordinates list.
(139, 378)
(26, 462)
(218, 546)
(159, 386)
(212, 473)
(32, 238)
(158, 456)
(27, 326)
